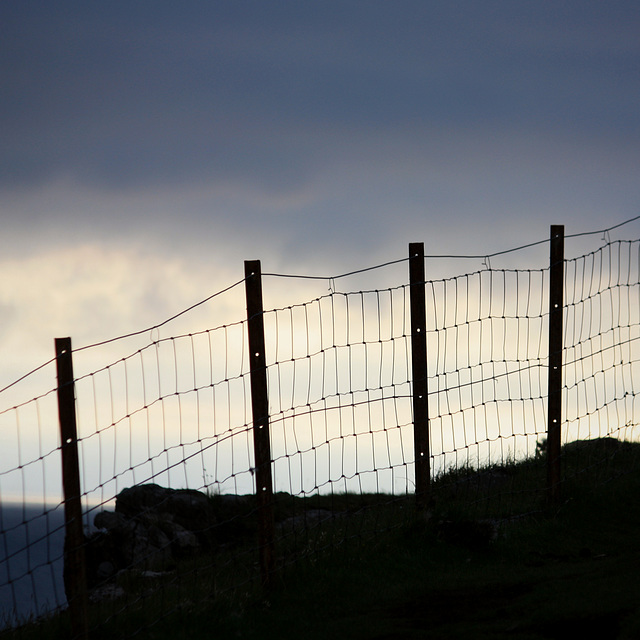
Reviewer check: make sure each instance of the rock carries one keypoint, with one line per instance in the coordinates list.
(106, 592)
(151, 528)
(111, 521)
(148, 547)
(154, 575)
(187, 507)
(183, 540)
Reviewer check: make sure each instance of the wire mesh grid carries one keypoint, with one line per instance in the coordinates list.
(175, 413)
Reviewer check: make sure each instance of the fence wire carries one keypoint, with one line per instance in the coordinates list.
(172, 420)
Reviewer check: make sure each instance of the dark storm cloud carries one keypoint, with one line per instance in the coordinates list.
(151, 146)
(122, 95)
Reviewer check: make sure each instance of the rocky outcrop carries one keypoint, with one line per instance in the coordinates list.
(188, 508)
(151, 528)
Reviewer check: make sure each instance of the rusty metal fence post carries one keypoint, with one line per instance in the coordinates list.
(75, 577)
(554, 390)
(260, 412)
(419, 374)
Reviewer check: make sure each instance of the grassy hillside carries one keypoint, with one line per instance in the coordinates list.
(468, 570)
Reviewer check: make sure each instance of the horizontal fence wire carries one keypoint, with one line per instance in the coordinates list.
(166, 446)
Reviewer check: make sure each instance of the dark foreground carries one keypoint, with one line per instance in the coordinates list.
(572, 572)
(566, 572)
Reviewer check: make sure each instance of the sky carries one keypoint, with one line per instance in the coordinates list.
(149, 148)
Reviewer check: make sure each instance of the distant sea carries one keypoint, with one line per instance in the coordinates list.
(31, 561)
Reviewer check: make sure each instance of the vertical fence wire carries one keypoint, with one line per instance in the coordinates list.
(171, 420)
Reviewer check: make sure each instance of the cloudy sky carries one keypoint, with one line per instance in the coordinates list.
(149, 148)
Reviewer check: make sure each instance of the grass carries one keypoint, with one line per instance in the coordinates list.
(570, 571)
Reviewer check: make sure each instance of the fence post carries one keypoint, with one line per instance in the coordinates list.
(75, 576)
(260, 412)
(554, 389)
(419, 374)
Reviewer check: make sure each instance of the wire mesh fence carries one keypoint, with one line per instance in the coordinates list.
(165, 433)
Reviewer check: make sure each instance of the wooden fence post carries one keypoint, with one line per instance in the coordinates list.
(554, 389)
(419, 374)
(75, 576)
(260, 412)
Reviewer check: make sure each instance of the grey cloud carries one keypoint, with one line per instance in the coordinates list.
(146, 93)
(313, 127)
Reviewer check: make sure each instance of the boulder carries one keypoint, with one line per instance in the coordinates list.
(151, 528)
(111, 521)
(187, 507)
